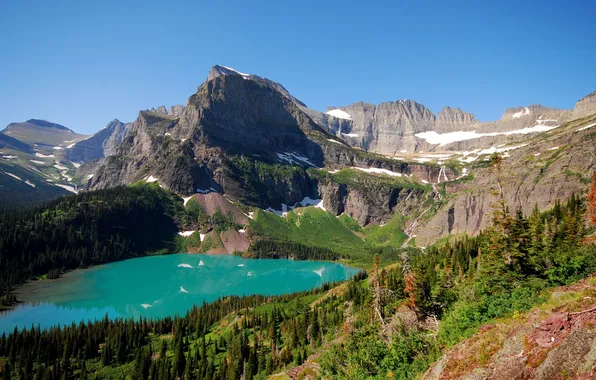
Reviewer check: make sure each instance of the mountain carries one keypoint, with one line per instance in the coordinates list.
(246, 137)
(7, 142)
(42, 132)
(101, 144)
(548, 167)
(239, 135)
(405, 126)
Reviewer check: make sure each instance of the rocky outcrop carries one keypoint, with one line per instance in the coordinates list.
(453, 119)
(540, 173)
(217, 71)
(585, 106)
(553, 341)
(100, 145)
(372, 202)
(175, 111)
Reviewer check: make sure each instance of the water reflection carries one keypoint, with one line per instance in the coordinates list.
(159, 286)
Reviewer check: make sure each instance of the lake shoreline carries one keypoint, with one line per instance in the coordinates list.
(158, 286)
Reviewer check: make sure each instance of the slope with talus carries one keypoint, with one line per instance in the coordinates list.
(551, 167)
(245, 139)
(553, 341)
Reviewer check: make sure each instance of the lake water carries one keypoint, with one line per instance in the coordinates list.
(159, 286)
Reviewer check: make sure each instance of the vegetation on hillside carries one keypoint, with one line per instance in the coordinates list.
(394, 323)
(85, 229)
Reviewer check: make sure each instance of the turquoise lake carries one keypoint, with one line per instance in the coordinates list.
(158, 286)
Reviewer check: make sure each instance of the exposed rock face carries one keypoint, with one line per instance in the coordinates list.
(553, 341)
(585, 106)
(388, 128)
(175, 110)
(232, 115)
(540, 173)
(228, 113)
(101, 144)
(217, 71)
(453, 119)
(375, 203)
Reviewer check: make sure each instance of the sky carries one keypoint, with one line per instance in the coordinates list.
(84, 63)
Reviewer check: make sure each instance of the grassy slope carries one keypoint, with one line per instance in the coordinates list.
(315, 227)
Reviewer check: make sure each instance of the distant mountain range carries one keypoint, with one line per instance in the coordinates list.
(247, 138)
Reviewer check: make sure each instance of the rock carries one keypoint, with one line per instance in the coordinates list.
(100, 145)
(585, 106)
(453, 119)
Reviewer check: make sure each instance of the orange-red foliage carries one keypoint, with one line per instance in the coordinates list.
(592, 201)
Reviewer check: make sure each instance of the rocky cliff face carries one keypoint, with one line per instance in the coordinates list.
(100, 145)
(550, 168)
(453, 119)
(585, 106)
(175, 110)
(245, 139)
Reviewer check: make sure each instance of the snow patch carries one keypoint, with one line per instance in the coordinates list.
(66, 187)
(60, 167)
(554, 148)
(186, 199)
(182, 290)
(38, 162)
(202, 236)
(318, 203)
(185, 265)
(145, 305)
(335, 141)
(350, 134)
(294, 158)
(240, 265)
(519, 114)
(76, 164)
(245, 76)
(185, 233)
(242, 231)
(29, 183)
(9, 157)
(339, 114)
(586, 127)
(442, 139)
(201, 263)
(57, 148)
(319, 271)
(14, 176)
(201, 191)
(249, 274)
(380, 171)
(151, 179)
(90, 176)
(70, 146)
(37, 154)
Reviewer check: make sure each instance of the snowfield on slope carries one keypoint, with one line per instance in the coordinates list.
(339, 114)
(442, 139)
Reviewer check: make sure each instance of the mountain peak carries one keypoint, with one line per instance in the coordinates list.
(218, 70)
(47, 124)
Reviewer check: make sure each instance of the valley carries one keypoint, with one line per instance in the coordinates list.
(245, 235)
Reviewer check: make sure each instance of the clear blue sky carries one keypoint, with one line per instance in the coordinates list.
(84, 63)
